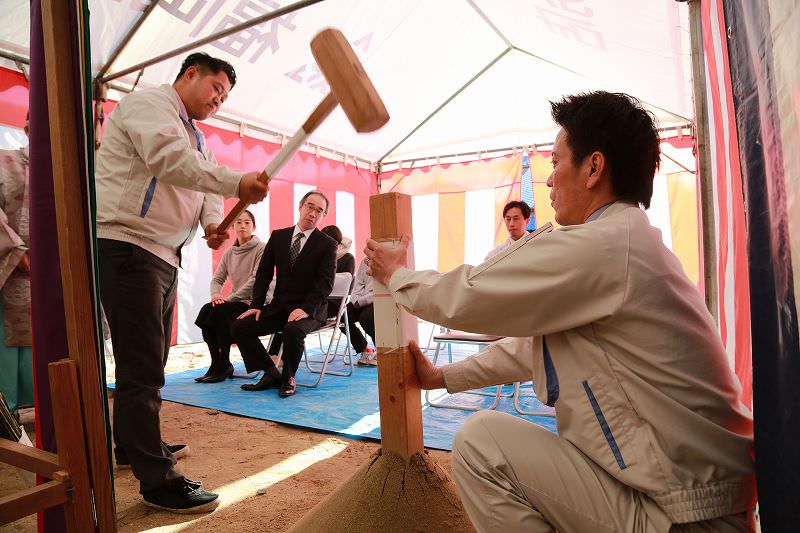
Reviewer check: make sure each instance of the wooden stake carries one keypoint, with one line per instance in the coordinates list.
(400, 404)
(67, 125)
(71, 443)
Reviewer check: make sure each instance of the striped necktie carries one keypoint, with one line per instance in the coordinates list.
(201, 143)
(294, 250)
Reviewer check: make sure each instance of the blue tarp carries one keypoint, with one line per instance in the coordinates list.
(344, 405)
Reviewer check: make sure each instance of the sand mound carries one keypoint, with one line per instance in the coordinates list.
(389, 496)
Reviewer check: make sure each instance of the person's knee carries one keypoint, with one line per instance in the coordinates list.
(476, 429)
(238, 329)
(293, 332)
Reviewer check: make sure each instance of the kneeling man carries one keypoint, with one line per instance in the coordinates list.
(652, 435)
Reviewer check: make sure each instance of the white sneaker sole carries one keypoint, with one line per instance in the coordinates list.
(205, 508)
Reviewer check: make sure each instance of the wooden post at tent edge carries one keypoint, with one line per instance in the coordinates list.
(400, 403)
(67, 125)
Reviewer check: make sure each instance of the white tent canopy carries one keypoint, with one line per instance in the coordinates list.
(457, 76)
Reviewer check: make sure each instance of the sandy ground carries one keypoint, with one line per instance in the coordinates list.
(268, 474)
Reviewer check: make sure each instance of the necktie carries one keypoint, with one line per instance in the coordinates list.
(294, 250)
(201, 144)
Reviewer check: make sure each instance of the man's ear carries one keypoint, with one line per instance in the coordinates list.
(190, 73)
(597, 166)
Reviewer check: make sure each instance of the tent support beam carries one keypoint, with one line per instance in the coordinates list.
(15, 57)
(500, 151)
(211, 38)
(125, 40)
(701, 134)
(277, 134)
(489, 23)
(447, 101)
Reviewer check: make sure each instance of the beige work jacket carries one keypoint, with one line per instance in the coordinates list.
(620, 342)
(153, 184)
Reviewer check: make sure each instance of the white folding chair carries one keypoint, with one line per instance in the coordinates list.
(449, 338)
(434, 328)
(341, 290)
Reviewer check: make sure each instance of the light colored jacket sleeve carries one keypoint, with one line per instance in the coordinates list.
(220, 274)
(557, 281)
(159, 137)
(12, 248)
(362, 287)
(505, 361)
(245, 292)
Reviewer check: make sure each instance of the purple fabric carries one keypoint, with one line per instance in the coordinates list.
(47, 302)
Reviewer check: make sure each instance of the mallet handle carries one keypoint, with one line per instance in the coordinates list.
(324, 109)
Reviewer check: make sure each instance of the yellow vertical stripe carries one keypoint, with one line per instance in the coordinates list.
(682, 190)
(540, 171)
(451, 230)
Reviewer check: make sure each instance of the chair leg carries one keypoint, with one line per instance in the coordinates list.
(497, 394)
(517, 385)
(430, 339)
(326, 359)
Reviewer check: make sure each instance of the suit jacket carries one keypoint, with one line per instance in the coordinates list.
(620, 341)
(304, 286)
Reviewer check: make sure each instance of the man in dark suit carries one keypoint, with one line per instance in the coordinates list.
(304, 261)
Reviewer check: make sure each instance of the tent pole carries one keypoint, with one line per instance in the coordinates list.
(125, 40)
(709, 250)
(211, 38)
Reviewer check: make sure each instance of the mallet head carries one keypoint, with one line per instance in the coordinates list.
(348, 81)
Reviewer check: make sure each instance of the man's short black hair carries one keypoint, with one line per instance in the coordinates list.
(616, 125)
(522, 206)
(205, 63)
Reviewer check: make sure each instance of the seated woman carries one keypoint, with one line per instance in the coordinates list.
(239, 264)
(360, 310)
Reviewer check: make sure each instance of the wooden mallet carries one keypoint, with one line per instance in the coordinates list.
(350, 87)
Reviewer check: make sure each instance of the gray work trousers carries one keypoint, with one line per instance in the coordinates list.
(138, 294)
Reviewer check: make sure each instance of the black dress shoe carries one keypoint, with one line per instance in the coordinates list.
(288, 390)
(216, 378)
(270, 380)
(202, 378)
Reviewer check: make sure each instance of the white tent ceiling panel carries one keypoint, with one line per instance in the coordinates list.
(110, 21)
(15, 29)
(629, 43)
(456, 75)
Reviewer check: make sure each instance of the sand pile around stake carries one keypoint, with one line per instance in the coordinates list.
(386, 495)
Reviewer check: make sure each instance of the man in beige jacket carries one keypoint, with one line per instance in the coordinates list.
(652, 435)
(156, 182)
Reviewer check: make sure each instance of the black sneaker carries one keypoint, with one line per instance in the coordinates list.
(181, 497)
(177, 450)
